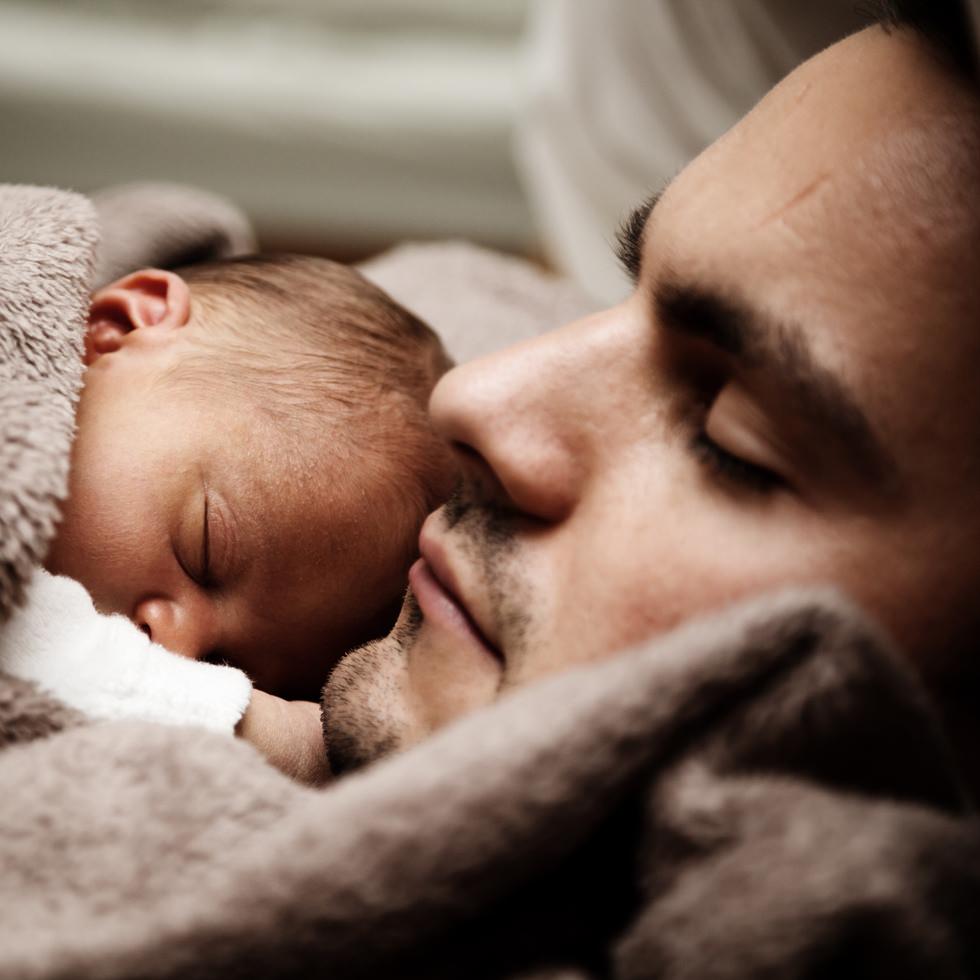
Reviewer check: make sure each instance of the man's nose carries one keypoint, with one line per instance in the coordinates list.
(174, 625)
(522, 421)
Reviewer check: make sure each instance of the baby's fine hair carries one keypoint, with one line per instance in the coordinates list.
(323, 322)
(321, 353)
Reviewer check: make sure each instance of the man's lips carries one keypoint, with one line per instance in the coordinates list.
(437, 592)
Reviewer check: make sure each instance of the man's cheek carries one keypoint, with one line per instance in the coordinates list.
(591, 608)
(646, 582)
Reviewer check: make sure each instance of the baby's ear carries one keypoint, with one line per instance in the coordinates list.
(150, 298)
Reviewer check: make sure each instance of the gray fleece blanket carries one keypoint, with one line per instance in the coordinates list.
(763, 793)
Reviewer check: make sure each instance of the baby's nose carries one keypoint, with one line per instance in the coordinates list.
(167, 623)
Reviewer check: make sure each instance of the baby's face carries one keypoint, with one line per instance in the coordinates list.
(187, 515)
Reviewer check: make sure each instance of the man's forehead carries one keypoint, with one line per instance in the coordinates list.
(876, 106)
(822, 194)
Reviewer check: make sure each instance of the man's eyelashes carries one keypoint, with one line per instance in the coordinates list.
(629, 238)
(733, 469)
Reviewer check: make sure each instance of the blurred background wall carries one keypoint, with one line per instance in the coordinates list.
(343, 126)
(340, 125)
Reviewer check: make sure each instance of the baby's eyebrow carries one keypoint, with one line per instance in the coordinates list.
(783, 352)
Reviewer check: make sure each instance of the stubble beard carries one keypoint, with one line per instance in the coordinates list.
(366, 709)
(364, 705)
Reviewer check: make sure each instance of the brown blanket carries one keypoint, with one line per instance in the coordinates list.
(765, 793)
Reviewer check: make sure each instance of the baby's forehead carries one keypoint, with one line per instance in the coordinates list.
(323, 490)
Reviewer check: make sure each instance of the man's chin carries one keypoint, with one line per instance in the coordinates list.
(365, 708)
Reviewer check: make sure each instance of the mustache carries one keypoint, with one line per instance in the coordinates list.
(486, 528)
(483, 517)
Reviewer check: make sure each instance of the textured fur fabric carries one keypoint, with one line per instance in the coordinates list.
(476, 300)
(763, 793)
(47, 248)
(27, 713)
(166, 226)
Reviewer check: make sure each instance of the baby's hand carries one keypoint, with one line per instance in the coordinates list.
(289, 734)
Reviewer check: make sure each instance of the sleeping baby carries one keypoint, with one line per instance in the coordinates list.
(252, 464)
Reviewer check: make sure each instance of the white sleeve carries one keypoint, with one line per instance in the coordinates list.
(106, 668)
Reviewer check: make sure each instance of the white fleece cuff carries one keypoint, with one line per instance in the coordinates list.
(108, 669)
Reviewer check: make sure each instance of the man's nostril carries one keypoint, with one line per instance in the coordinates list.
(145, 628)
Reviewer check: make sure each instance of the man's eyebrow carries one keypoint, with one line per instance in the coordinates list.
(629, 236)
(781, 350)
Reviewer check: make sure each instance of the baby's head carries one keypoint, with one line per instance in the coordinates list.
(253, 462)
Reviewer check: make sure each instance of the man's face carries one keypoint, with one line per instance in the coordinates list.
(190, 515)
(790, 396)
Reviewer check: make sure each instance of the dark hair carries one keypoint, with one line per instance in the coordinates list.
(946, 24)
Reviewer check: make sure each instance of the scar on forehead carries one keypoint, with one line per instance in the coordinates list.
(800, 96)
(796, 200)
